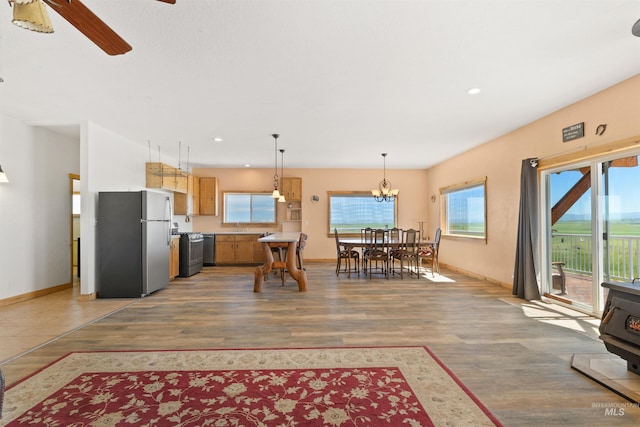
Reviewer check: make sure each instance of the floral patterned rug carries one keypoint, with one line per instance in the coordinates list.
(389, 386)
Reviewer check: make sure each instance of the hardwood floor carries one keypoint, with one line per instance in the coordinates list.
(512, 354)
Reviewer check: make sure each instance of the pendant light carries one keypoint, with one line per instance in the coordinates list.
(384, 193)
(281, 199)
(276, 193)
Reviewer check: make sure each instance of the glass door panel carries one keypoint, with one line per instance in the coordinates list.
(621, 219)
(571, 244)
(593, 229)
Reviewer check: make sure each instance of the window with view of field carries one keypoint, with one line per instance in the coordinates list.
(572, 242)
(464, 209)
(353, 211)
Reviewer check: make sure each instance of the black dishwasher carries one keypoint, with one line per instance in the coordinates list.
(209, 249)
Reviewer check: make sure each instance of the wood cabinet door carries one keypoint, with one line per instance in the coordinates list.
(208, 196)
(225, 249)
(174, 257)
(244, 248)
(189, 202)
(159, 175)
(195, 196)
(292, 189)
(179, 204)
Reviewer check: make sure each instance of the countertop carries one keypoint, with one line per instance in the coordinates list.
(233, 232)
(281, 237)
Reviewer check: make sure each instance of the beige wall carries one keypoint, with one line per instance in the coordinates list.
(500, 161)
(412, 204)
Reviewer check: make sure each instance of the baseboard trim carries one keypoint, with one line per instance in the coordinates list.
(477, 276)
(87, 297)
(34, 294)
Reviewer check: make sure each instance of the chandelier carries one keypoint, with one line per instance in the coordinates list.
(276, 179)
(384, 192)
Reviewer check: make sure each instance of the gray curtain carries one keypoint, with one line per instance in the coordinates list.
(525, 282)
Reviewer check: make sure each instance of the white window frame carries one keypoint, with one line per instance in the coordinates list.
(226, 222)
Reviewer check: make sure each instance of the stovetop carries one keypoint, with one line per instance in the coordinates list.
(191, 235)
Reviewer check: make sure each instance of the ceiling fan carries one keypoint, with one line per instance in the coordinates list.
(32, 14)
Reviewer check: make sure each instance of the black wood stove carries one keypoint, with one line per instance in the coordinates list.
(620, 324)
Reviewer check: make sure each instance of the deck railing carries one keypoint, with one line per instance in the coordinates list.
(575, 251)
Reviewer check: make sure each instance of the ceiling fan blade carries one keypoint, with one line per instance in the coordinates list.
(90, 25)
(168, 1)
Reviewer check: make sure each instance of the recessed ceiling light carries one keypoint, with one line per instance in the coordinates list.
(217, 139)
(247, 165)
(473, 91)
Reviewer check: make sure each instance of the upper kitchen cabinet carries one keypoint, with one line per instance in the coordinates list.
(208, 196)
(166, 177)
(189, 203)
(292, 189)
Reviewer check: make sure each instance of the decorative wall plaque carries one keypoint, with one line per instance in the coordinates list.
(573, 132)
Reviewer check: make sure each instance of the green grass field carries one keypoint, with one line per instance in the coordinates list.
(617, 228)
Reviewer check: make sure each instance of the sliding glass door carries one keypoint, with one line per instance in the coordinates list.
(591, 213)
(620, 183)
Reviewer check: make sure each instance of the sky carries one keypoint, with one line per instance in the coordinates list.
(624, 191)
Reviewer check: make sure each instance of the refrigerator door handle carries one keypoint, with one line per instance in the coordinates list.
(170, 220)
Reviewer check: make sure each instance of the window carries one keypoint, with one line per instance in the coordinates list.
(349, 212)
(75, 204)
(464, 209)
(249, 208)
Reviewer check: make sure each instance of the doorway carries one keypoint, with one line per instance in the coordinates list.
(75, 229)
(591, 212)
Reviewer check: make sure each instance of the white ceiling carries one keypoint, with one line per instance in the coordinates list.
(341, 80)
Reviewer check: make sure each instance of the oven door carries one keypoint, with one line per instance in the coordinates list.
(196, 253)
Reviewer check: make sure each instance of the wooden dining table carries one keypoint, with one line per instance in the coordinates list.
(351, 243)
(288, 240)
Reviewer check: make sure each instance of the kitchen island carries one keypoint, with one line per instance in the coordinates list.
(284, 240)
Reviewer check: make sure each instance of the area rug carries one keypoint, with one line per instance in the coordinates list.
(391, 386)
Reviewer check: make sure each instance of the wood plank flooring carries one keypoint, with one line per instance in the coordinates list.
(512, 354)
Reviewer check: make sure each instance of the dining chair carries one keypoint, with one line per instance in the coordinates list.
(430, 253)
(409, 252)
(280, 253)
(395, 235)
(365, 236)
(343, 254)
(302, 242)
(377, 257)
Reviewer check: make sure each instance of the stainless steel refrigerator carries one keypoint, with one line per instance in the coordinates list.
(133, 238)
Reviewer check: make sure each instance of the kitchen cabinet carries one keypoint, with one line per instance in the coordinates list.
(292, 189)
(174, 257)
(189, 202)
(163, 176)
(240, 248)
(208, 196)
(195, 196)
